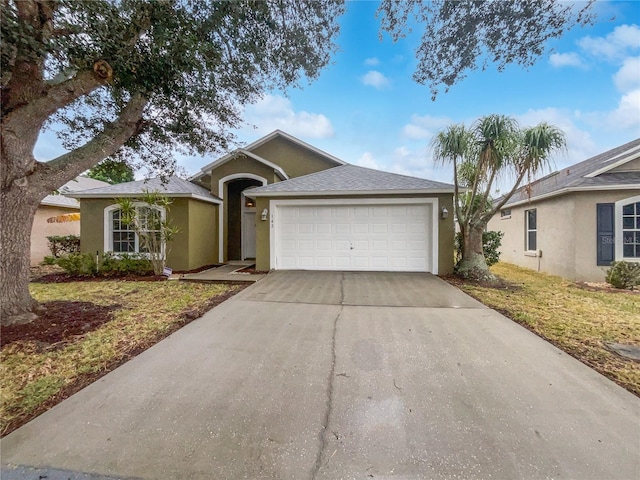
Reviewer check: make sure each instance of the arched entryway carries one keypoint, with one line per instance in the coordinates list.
(239, 239)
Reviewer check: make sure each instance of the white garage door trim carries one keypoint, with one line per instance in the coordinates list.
(275, 211)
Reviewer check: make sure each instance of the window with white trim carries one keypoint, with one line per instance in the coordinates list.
(122, 238)
(631, 230)
(531, 230)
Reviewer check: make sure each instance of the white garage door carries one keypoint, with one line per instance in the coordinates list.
(378, 237)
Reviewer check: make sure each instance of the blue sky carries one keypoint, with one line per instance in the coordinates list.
(366, 109)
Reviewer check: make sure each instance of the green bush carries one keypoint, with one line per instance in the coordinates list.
(78, 264)
(49, 260)
(125, 264)
(623, 275)
(64, 245)
(491, 243)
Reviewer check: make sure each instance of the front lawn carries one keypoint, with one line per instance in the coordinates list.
(576, 319)
(88, 330)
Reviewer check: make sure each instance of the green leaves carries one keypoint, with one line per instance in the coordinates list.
(112, 171)
(197, 61)
(465, 35)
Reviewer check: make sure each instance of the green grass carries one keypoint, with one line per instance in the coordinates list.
(33, 378)
(577, 320)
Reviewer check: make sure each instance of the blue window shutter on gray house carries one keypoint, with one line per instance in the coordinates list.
(605, 226)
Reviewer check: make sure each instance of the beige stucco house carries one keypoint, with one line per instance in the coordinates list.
(576, 221)
(54, 206)
(288, 205)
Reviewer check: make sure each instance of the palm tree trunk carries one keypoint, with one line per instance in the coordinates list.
(473, 264)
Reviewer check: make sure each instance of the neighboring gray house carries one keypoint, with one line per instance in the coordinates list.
(576, 221)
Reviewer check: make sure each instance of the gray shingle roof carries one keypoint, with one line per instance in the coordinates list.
(82, 183)
(351, 179)
(78, 183)
(62, 201)
(575, 176)
(173, 186)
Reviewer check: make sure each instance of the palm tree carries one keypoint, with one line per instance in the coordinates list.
(494, 147)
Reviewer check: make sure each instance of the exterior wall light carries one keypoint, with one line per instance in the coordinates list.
(263, 216)
(444, 213)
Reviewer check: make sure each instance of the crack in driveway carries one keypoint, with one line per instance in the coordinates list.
(325, 424)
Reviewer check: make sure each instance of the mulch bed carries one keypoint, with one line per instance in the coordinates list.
(604, 287)
(252, 270)
(498, 284)
(54, 274)
(68, 278)
(58, 323)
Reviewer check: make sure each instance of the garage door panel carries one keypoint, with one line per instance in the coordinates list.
(342, 245)
(398, 262)
(362, 228)
(380, 228)
(308, 245)
(380, 245)
(398, 245)
(324, 263)
(342, 228)
(354, 237)
(358, 245)
(381, 263)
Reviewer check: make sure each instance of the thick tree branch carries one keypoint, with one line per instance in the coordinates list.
(57, 96)
(68, 166)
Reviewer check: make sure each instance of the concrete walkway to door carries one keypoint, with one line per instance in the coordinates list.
(340, 375)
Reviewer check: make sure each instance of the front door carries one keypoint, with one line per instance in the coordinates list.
(248, 228)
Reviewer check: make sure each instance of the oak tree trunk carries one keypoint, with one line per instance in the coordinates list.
(16, 220)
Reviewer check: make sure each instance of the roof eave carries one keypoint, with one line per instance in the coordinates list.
(60, 205)
(215, 200)
(206, 170)
(632, 156)
(564, 191)
(334, 193)
(295, 140)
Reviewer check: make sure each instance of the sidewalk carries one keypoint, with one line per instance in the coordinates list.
(229, 272)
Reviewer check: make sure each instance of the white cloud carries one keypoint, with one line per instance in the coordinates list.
(628, 77)
(372, 62)
(627, 115)
(367, 160)
(616, 45)
(276, 112)
(559, 60)
(580, 145)
(374, 78)
(418, 163)
(424, 127)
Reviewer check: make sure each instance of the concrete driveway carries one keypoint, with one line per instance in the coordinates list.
(340, 375)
